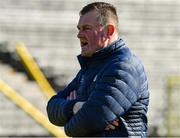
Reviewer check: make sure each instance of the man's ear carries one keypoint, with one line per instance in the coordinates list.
(110, 30)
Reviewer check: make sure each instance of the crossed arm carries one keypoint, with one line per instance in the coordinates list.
(78, 105)
(101, 109)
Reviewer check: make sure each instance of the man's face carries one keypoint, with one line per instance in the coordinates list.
(91, 34)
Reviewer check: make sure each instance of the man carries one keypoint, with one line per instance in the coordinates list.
(109, 96)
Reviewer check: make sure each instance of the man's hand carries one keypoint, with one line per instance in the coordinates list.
(72, 95)
(112, 125)
(77, 107)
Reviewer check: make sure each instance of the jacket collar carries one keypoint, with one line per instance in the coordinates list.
(101, 54)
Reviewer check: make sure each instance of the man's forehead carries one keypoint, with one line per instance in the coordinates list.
(89, 18)
(92, 15)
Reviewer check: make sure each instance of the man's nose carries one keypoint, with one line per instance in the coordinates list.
(80, 34)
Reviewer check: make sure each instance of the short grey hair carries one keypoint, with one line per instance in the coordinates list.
(105, 12)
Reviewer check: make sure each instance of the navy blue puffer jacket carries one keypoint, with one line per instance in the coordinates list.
(114, 85)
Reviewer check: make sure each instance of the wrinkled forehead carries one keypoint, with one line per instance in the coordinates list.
(89, 18)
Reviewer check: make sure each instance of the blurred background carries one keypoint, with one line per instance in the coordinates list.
(48, 30)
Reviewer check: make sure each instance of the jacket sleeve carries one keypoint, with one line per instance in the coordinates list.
(59, 110)
(113, 95)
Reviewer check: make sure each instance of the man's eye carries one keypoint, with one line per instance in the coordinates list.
(87, 28)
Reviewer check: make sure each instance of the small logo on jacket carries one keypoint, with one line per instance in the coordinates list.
(82, 80)
(95, 78)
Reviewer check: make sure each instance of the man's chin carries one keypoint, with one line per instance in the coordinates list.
(86, 54)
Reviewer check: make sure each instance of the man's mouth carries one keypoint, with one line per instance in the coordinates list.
(84, 43)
